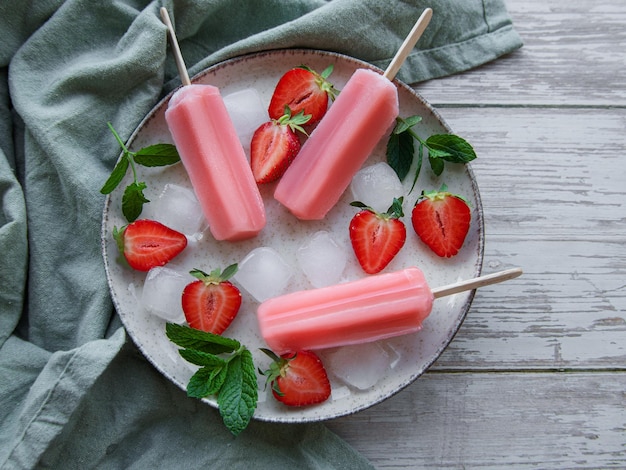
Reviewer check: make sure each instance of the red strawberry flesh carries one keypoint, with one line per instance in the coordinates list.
(272, 150)
(299, 89)
(376, 237)
(211, 303)
(442, 221)
(298, 379)
(148, 244)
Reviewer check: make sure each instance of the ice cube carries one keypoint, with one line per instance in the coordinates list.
(178, 208)
(360, 366)
(376, 186)
(162, 291)
(322, 260)
(247, 112)
(263, 273)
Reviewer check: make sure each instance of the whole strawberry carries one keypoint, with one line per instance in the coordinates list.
(275, 144)
(212, 302)
(441, 220)
(303, 90)
(147, 244)
(297, 379)
(377, 237)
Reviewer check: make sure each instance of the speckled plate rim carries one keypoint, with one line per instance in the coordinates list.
(288, 416)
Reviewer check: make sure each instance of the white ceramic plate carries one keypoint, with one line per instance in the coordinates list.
(412, 354)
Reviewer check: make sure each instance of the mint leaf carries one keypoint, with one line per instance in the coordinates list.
(450, 148)
(117, 175)
(207, 381)
(203, 341)
(402, 125)
(238, 396)
(157, 155)
(441, 147)
(436, 164)
(133, 200)
(400, 151)
(232, 378)
(420, 157)
(199, 384)
(200, 358)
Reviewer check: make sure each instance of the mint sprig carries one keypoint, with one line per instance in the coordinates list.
(133, 198)
(226, 371)
(441, 148)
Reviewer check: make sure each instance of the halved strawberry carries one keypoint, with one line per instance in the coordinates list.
(212, 302)
(303, 89)
(297, 379)
(441, 219)
(147, 243)
(275, 144)
(377, 237)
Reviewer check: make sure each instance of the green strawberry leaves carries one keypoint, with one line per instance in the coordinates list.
(133, 198)
(322, 80)
(441, 148)
(226, 370)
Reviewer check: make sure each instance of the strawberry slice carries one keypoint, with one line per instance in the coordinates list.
(377, 237)
(303, 89)
(441, 219)
(212, 302)
(297, 379)
(147, 243)
(275, 144)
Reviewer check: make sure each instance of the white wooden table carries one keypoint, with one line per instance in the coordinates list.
(536, 376)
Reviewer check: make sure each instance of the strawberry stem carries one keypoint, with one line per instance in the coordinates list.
(296, 122)
(394, 212)
(216, 276)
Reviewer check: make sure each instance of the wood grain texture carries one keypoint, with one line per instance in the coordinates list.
(536, 376)
(529, 420)
(574, 54)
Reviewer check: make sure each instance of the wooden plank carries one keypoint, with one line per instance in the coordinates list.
(553, 193)
(495, 420)
(554, 172)
(574, 54)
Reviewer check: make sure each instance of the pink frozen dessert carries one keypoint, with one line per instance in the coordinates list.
(375, 307)
(213, 157)
(337, 148)
(369, 309)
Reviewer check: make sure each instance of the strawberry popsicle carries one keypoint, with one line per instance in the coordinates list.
(362, 114)
(213, 156)
(216, 163)
(372, 308)
(369, 309)
(364, 111)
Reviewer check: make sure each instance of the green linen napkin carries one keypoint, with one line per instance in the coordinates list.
(74, 390)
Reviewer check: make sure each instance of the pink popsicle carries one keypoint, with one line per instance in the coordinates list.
(375, 307)
(216, 163)
(343, 140)
(369, 309)
(364, 111)
(212, 155)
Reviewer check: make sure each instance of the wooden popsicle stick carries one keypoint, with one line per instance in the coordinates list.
(476, 282)
(408, 44)
(178, 57)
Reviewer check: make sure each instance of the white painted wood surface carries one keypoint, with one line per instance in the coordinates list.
(536, 376)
